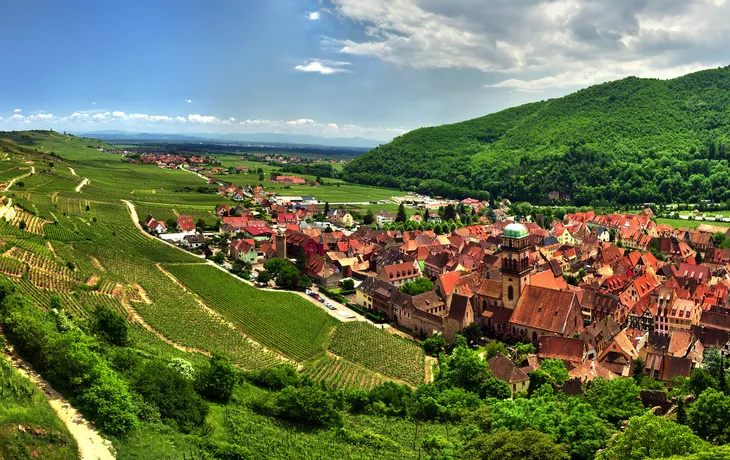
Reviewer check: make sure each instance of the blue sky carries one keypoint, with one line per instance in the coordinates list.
(337, 68)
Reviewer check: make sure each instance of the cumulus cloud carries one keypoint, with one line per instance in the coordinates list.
(300, 121)
(314, 16)
(205, 123)
(195, 118)
(18, 110)
(188, 101)
(323, 67)
(533, 45)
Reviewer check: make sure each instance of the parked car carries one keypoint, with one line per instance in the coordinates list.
(308, 291)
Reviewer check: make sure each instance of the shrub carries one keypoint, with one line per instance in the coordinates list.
(276, 377)
(216, 380)
(309, 404)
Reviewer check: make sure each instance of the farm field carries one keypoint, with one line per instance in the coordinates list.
(681, 223)
(381, 351)
(340, 373)
(84, 248)
(283, 321)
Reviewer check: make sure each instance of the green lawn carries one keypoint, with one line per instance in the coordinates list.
(681, 223)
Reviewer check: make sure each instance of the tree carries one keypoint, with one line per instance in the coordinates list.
(172, 394)
(615, 400)
(417, 286)
(288, 277)
(401, 214)
(309, 404)
(494, 347)
(263, 277)
(556, 369)
(464, 369)
(111, 326)
(709, 416)
(522, 351)
(216, 380)
(650, 436)
(699, 380)
(506, 444)
(326, 208)
(714, 362)
(273, 266)
(369, 218)
(473, 332)
(449, 213)
(348, 285)
(495, 388)
(434, 345)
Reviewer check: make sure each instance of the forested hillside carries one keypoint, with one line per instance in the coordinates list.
(627, 141)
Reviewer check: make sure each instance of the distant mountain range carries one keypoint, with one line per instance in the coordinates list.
(259, 138)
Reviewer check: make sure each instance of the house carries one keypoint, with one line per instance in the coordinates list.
(461, 314)
(154, 226)
(243, 251)
(185, 224)
(293, 180)
(222, 210)
(340, 217)
(194, 241)
(384, 217)
(567, 349)
(399, 274)
(541, 311)
(376, 295)
(423, 314)
(505, 370)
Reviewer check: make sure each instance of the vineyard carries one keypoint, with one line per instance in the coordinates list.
(282, 321)
(380, 351)
(336, 372)
(28, 222)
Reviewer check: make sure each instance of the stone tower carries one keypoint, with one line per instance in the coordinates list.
(515, 264)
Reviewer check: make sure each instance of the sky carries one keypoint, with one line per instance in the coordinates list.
(333, 68)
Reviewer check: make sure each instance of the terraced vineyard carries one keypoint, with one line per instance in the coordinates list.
(381, 351)
(282, 321)
(181, 318)
(340, 373)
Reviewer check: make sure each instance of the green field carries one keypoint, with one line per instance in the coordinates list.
(340, 373)
(283, 321)
(376, 349)
(681, 223)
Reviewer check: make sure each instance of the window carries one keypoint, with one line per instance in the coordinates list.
(510, 293)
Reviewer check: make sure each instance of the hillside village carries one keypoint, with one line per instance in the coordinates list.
(603, 293)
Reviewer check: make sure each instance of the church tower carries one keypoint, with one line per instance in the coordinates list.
(515, 264)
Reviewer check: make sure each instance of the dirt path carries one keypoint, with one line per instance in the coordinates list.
(10, 184)
(81, 185)
(91, 445)
(72, 171)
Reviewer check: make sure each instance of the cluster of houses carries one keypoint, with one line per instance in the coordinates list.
(638, 292)
(628, 305)
(169, 160)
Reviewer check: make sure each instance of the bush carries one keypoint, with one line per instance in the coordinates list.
(111, 326)
(69, 361)
(172, 394)
(276, 377)
(309, 404)
(216, 380)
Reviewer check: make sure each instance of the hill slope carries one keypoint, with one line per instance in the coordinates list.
(626, 141)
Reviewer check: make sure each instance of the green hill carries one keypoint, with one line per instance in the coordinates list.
(627, 141)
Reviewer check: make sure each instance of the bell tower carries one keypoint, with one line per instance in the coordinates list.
(515, 264)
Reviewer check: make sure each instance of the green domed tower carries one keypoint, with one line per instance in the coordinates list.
(515, 263)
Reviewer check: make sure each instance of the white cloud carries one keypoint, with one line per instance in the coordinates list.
(314, 16)
(535, 45)
(1, 118)
(17, 117)
(101, 116)
(18, 110)
(41, 117)
(232, 119)
(119, 114)
(181, 119)
(195, 118)
(188, 101)
(323, 67)
(255, 122)
(301, 121)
